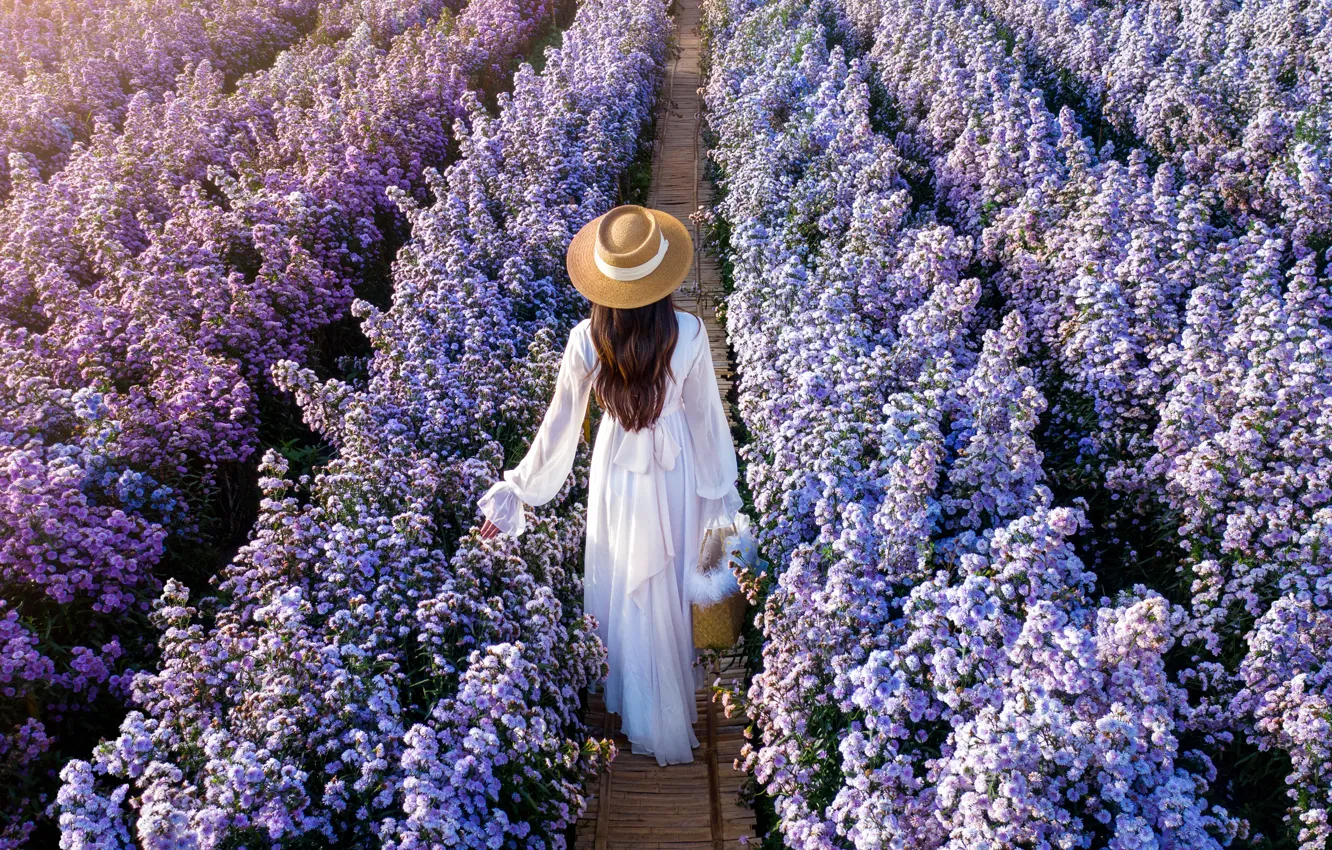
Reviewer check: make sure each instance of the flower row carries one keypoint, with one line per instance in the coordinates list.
(1235, 94)
(1186, 352)
(152, 284)
(67, 66)
(367, 671)
(902, 311)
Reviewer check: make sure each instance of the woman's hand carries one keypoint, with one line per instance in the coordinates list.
(489, 530)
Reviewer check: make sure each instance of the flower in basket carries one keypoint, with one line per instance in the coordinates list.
(742, 556)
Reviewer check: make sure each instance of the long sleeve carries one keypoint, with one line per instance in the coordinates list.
(714, 449)
(542, 472)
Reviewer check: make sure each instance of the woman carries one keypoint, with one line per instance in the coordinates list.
(663, 467)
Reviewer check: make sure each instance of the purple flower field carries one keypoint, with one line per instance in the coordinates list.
(1031, 315)
(366, 672)
(152, 284)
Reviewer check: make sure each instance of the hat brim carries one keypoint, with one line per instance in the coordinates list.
(627, 294)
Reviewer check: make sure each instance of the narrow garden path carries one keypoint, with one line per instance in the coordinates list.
(678, 183)
(637, 805)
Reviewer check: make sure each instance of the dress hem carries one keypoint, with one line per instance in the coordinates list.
(639, 749)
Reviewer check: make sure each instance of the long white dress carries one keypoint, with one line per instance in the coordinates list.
(651, 495)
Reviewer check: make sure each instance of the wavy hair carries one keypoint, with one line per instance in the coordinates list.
(634, 348)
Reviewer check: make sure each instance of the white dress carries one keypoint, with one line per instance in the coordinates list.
(651, 495)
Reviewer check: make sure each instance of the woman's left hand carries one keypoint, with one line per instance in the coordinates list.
(489, 530)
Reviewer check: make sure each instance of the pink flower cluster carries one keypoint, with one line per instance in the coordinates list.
(367, 671)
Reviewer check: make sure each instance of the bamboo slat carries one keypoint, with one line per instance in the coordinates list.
(638, 804)
(679, 186)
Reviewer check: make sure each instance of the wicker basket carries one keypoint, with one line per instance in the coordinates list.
(717, 625)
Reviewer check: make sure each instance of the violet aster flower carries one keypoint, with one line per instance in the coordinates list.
(365, 671)
(153, 281)
(893, 390)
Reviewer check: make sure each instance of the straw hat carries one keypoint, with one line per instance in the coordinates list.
(630, 256)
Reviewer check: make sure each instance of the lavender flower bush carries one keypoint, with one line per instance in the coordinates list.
(923, 254)
(1033, 324)
(368, 671)
(152, 284)
(1121, 270)
(68, 67)
(1232, 94)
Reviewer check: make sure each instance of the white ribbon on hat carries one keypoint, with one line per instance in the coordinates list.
(633, 272)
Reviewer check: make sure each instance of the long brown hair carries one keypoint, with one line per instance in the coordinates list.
(634, 347)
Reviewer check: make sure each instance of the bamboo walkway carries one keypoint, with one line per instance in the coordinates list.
(637, 805)
(679, 186)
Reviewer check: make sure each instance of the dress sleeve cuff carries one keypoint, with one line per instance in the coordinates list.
(501, 506)
(721, 512)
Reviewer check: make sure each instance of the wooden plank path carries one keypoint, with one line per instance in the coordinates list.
(679, 186)
(637, 805)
